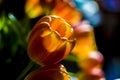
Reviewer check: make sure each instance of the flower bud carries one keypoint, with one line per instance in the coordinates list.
(50, 41)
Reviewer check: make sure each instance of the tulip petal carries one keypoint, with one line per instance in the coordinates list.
(66, 11)
(51, 40)
(53, 72)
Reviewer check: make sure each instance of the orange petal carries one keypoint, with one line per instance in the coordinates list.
(66, 11)
(85, 41)
(47, 43)
(84, 76)
(53, 72)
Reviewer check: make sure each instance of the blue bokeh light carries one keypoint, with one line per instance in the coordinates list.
(112, 5)
(90, 11)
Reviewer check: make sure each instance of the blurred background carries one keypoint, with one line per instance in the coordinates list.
(15, 26)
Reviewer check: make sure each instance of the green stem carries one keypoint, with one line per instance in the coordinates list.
(27, 68)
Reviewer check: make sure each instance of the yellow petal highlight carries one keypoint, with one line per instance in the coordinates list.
(33, 8)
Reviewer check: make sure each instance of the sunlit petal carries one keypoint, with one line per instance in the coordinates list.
(51, 40)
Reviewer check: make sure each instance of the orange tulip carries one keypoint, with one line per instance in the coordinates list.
(85, 49)
(85, 41)
(93, 59)
(62, 8)
(96, 71)
(52, 72)
(51, 40)
(67, 11)
(84, 76)
(33, 8)
(50, 3)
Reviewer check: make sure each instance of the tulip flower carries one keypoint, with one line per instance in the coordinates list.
(49, 3)
(52, 72)
(84, 76)
(33, 8)
(96, 71)
(85, 41)
(51, 40)
(92, 64)
(89, 58)
(64, 9)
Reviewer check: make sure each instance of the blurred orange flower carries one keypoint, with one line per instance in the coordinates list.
(33, 8)
(85, 41)
(92, 60)
(51, 40)
(62, 8)
(84, 76)
(89, 58)
(67, 11)
(52, 72)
